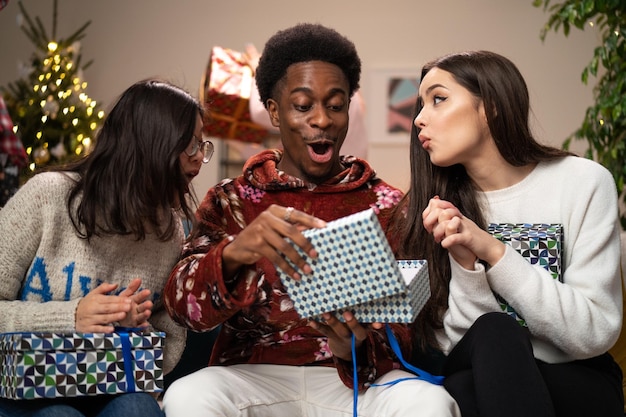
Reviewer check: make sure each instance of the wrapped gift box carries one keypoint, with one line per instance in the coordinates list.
(357, 271)
(538, 243)
(48, 365)
(225, 90)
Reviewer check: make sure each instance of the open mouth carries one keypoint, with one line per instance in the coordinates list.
(320, 148)
(321, 152)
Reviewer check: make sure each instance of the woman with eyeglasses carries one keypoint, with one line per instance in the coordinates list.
(92, 243)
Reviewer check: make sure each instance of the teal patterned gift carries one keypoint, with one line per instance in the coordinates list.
(539, 243)
(357, 271)
(48, 365)
(403, 306)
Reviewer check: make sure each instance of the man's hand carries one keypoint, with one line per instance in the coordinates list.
(340, 334)
(265, 237)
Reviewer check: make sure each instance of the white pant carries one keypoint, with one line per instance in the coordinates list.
(299, 391)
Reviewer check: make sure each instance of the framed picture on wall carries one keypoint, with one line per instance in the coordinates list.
(390, 104)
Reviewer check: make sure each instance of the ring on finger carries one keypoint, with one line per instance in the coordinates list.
(287, 215)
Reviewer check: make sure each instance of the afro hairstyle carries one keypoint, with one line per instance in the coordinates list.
(305, 42)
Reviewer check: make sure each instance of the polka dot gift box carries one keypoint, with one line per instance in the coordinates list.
(356, 271)
(48, 365)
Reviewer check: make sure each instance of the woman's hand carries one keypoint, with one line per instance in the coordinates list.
(265, 237)
(97, 311)
(340, 334)
(463, 239)
(141, 305)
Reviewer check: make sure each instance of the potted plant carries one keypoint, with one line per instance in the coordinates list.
(604, 124)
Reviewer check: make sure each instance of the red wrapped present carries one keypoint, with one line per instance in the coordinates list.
(225, 90)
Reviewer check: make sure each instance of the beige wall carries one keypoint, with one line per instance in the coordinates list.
(133, 39)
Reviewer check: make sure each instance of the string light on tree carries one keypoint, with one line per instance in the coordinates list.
(52, 112)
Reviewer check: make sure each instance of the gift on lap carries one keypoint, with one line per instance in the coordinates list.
(49, 364)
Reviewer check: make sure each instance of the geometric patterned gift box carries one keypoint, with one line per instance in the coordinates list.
(402, 307)
(355, 270)
(48, 365)
(539, 243)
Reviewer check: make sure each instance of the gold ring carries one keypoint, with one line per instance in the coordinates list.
(287, 215)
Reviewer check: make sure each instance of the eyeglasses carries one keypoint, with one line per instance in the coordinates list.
(205, 146)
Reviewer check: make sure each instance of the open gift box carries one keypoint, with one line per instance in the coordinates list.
(48, 365)
(356, 271)
(403, 306)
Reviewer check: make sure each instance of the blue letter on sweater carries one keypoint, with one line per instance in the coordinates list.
(38, 270)
(69, 270)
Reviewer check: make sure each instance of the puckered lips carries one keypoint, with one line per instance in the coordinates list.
(425, 141)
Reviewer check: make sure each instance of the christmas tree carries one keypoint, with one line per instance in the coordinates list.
(52, 113)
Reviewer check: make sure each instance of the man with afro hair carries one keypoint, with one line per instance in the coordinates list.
(356, 142)
(302, 43)
(267, 360)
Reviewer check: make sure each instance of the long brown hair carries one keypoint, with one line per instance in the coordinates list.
(131, 180)
(497, 82)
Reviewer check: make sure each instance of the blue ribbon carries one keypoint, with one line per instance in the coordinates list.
(124, 333)
(420, 373)
(355, 378)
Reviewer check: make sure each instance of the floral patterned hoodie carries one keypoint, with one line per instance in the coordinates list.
(259, 323)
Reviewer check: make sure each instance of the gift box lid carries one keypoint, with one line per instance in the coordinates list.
(230, 72)
(355, 264)
(57, 341)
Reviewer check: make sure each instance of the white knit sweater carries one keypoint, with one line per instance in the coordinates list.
(576, 319)
(45, 268)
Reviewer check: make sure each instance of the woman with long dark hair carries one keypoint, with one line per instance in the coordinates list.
(474, 162)
(92, 243)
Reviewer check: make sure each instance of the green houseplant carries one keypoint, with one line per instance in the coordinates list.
(604, 124)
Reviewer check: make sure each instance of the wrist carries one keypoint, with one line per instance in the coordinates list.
(230, 265)
(496, 253)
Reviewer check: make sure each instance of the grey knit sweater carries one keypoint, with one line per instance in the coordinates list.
(45, 268)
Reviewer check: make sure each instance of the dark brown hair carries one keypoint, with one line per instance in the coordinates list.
(303, 43)
(131, 180)
(496, 81)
